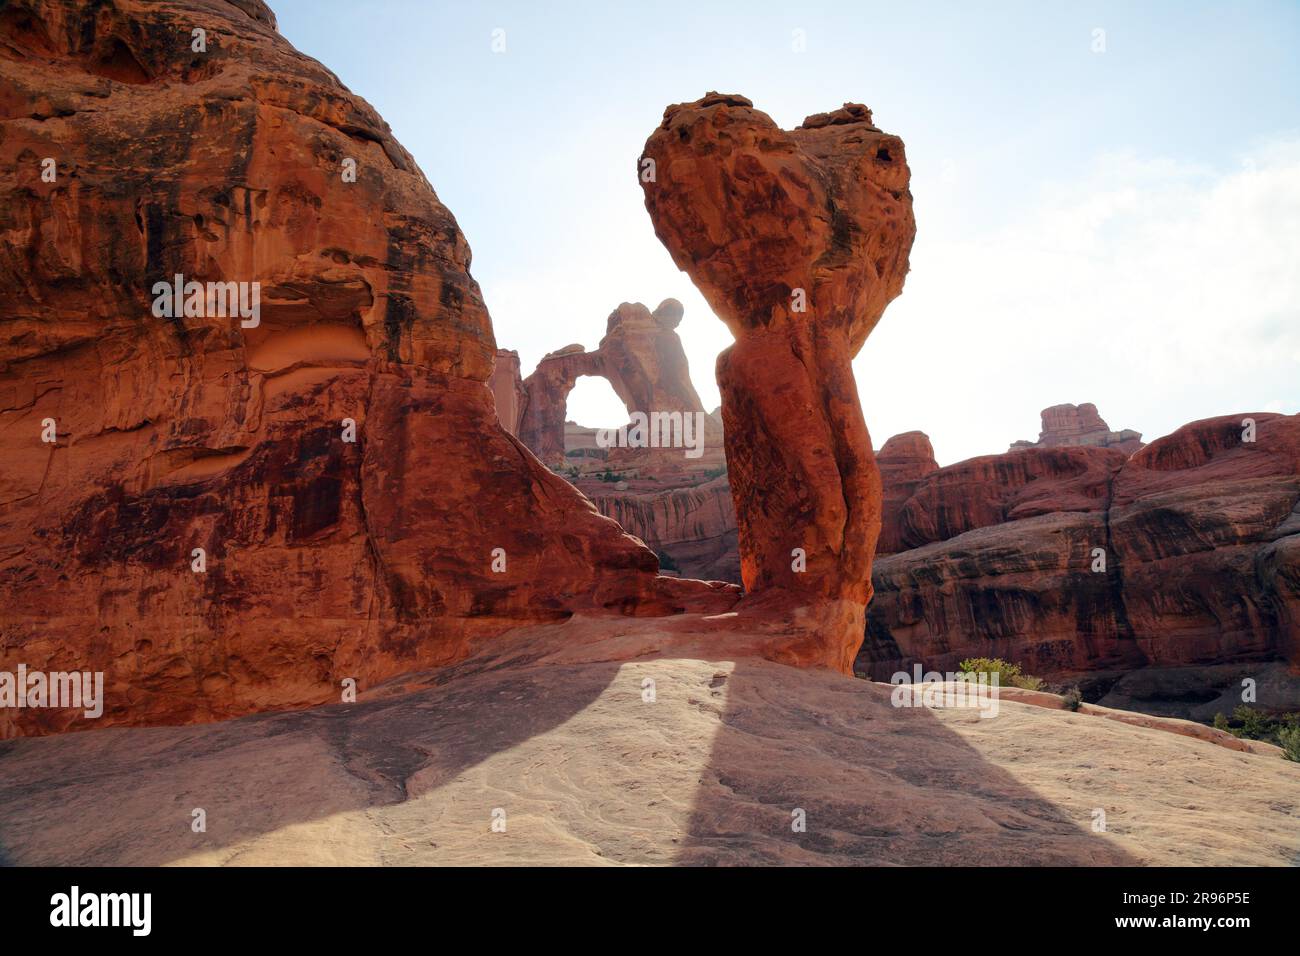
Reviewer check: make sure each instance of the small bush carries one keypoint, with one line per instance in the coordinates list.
(1251, 724)
(1288, 739)
(1009, 675)
(1255, 724)
(1072, 699)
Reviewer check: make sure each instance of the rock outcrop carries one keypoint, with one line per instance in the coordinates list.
(903, 461)
(1072, 425)
(798, 240)
(1086, 559)
(546, 394)
(337, 458)
(508, 391)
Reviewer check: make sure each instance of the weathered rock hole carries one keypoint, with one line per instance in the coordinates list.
(117, 62)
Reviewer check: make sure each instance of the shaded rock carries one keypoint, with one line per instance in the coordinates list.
(903, 460)
(557, 734)
(693, 527)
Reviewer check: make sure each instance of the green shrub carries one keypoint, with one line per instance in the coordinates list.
(1288, 739)
(1251, 724)
(1072, 699)
(1255, 725)
(1009, 675)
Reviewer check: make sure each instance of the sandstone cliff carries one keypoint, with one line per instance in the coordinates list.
(338, 460)
(1072, 559)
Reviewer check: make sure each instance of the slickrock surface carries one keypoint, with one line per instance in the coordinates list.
(767, 222)
(325, 559)
(1071, 425)
(1201, 534)
(560, 739)
(641, 356)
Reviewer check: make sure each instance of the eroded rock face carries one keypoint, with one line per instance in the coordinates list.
(1071, 425)
(693, 529)
(508, 392)
(324, 558)
(798, 240)
(1200, 532)
(546, 392)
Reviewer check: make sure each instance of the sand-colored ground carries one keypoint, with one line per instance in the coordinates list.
(587, 771)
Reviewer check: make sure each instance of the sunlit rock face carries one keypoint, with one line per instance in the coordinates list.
(1076, 559)
(337, 456)
(798, 240)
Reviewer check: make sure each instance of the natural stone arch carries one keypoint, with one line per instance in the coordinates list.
(642, 358)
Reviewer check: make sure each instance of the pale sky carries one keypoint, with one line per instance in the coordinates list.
(1117, 226)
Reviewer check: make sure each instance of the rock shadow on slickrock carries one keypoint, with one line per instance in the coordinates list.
(871, 784)
(126, 796)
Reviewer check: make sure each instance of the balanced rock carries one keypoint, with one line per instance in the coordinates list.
(798, 240)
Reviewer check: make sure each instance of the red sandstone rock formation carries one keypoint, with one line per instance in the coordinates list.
(642, 357)
(546, 392)
(1070, 425)
(1201, 536)
(508, 391)
(994, 489)
(798, 240)
(903, 460)
(693, 529)
(325, 558)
